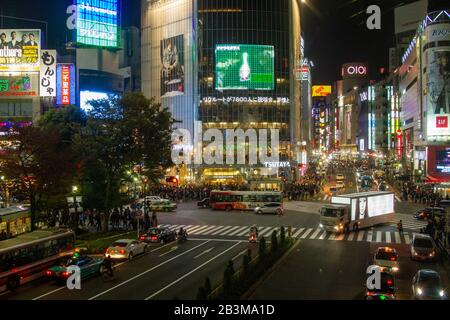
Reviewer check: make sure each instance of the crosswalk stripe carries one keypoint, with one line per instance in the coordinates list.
(369, 236)
(332, 236)
(197, 230)
(306, 233)
(378, 237)
(360, 235)
(298, 232)
(351, 236)
(267, 232)
(407, 239)
(388, 237)
(243, 232)
(229, 231)
(238, 231)
(323, 235)
(205, 230)
(175, 227)
(213, 229)
(220, 230)
(397, 237)
(193, 228)
(314, 235)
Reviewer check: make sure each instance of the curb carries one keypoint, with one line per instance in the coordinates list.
(269, 272)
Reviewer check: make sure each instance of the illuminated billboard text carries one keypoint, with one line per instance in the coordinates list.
(321, 91)
(65, 84)
(19, 50)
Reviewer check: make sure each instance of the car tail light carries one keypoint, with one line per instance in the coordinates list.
(122, 251)
(65, 274)
(48, 273)
(393, 259)
(390, 282)
(142, 238)
(154, 238)
(370, 293)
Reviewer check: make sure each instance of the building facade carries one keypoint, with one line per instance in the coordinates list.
(227, 65)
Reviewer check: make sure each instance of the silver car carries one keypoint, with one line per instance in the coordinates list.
(423, 247)
(273, 208)
(125, 249)
(427, 285)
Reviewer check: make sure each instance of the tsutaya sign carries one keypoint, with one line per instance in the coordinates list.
(282, 164)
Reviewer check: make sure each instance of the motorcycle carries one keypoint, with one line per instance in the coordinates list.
(252, 238)
(182, 238)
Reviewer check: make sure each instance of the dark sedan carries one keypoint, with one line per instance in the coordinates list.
(158, 235)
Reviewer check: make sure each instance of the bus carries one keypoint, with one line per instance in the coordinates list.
(242, 200)
(26, 257)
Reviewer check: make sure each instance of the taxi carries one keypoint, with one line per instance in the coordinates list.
(162, 206)
(387, 258)
(89, 266)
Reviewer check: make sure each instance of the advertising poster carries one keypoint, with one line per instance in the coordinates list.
(244, 67)
(24, 86)
(438, 89)
(20, 50)
(48, 73)
(172, 70)
(321, 91)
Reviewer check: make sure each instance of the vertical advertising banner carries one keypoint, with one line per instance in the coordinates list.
(19, 50)
(65, 84)
(48, 73)
(437, 82)
(172, 70)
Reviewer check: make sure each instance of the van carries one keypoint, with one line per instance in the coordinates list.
(423, 247)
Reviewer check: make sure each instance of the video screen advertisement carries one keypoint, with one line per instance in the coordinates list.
(20, 50)
(244, 67)
(172, 66)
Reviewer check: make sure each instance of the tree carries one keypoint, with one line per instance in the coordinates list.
(121, 134)
(42, 168)
(282, 236)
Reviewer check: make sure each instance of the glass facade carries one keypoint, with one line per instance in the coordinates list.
(243, 22)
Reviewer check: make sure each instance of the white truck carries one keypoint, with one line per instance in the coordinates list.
(356, 211)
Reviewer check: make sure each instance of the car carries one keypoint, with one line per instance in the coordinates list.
(423, 247)
(429, 213)
(204, 203)
(89, 266)
(162, 205)
(152, 198)
(387, 259)
(427, 285)
(387, 290)
(125, 249)
(158, 235)
(340, 177)
(274, 208)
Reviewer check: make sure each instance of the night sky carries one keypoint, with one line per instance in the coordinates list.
(334, 30)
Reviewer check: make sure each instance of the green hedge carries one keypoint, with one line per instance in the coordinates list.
(235, 284)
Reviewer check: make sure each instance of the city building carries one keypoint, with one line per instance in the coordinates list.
(130, 59)
(197, 57)
(425, 93)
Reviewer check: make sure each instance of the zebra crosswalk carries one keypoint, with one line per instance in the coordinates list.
(409, 222)
(302, 233)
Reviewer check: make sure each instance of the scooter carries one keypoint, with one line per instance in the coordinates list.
(252, 238)
(182, 238)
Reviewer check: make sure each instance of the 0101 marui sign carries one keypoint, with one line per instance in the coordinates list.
(65, 84)
(98, 23)
(20, 50)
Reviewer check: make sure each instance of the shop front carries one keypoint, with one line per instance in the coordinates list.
(222, 176)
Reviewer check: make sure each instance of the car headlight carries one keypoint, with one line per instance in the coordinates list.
(441, 293)
(336, 228)
(395, 269)
(415, 253)
(419, 291)
(320, 225)
(432, 254)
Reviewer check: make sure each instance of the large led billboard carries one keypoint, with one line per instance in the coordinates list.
(98, 23)
(321, 91)
(20, 50)
(244, 67)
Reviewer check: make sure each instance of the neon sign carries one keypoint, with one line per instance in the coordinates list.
(65, 84)
(16, 87)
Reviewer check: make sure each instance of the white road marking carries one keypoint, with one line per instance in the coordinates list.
(388, 237)
(220, 230)
(213, 230)
(360, 235)
(204, 252)
(159, 248)
(369, 236)
(306, 233)
(204, 230)
(170, 251)
(407, 239)
(238, 231)
(147, 271)
(46, 294)
(229, 231)
(297, 233)
(191, 272)
(197, 229)
(314, 235)
(351, 236)
(378, 236)
(332, 236)
(340, 237)
(267, 232)
(240, 254)
(397, 238)
(323, 235)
